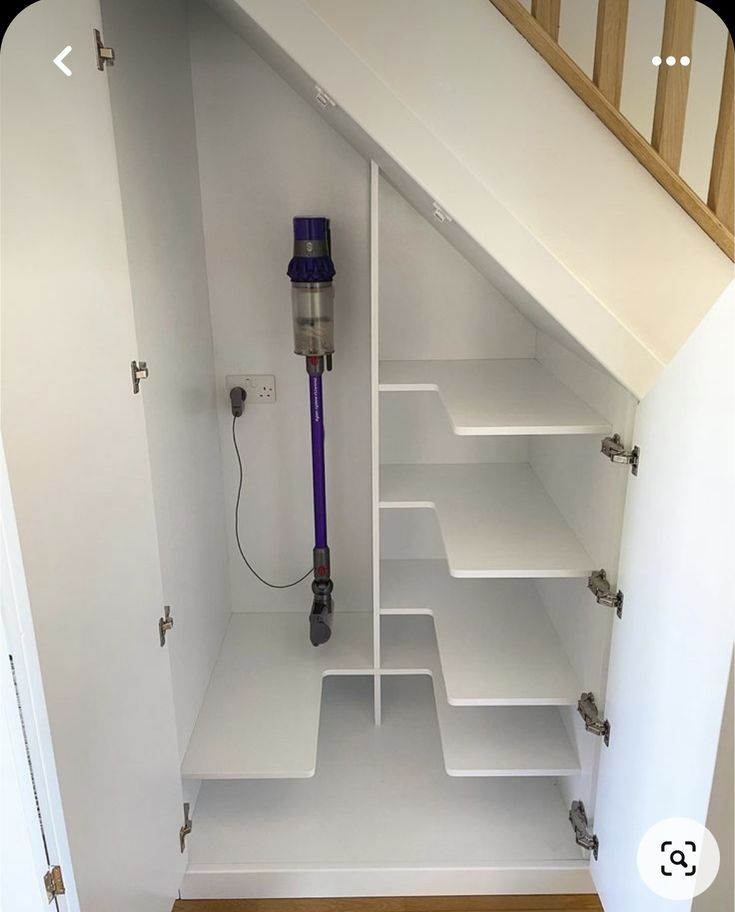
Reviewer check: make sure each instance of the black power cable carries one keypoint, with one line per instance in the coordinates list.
(237, 526)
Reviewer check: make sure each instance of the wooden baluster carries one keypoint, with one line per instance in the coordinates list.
(721, 198)
(673, 82)
(546, 13)
(612, 21)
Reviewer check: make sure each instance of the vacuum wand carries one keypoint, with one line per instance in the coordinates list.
(311, 271)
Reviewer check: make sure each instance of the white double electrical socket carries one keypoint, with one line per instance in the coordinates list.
(259, 387)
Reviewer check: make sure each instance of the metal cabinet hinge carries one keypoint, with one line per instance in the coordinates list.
(105, 55)
(613, 448)
(593, 722)
(186, 828)
(440, 214)
(165, 624)
(54, 883)
(582, 835)
(138, 371)
(324, 99)
(599, 586)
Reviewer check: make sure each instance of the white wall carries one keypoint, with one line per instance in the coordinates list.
(433, 303)
(265, 157)
(590, 493)
(468, 75)
(153, 116)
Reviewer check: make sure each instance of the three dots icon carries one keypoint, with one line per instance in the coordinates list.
(670, 60)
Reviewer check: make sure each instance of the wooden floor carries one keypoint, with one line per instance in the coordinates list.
(577, 903)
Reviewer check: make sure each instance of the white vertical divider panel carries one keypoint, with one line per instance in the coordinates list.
(375, 419)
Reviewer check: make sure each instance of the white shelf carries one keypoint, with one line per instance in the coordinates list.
(260, 715)
(496, 519)
(496, 642)
(497, 740)
(514, 396)
(380, 801)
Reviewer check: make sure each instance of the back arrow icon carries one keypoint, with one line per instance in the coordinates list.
(58, 60)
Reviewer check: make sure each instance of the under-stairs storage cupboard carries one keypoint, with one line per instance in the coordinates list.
(531, 560)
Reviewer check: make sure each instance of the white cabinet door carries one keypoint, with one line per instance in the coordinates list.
(76, 448)
(671, 650)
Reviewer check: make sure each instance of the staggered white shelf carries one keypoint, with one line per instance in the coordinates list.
(499, 397)
(496, 520)
(381, 800)
(494, 740)
(496, 643)
(260, 715)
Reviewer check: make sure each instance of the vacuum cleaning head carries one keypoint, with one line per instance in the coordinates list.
(311, 271)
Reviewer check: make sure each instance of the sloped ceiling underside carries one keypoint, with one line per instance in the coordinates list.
(457, 108)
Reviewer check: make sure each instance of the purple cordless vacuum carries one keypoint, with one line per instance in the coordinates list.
(311, 271)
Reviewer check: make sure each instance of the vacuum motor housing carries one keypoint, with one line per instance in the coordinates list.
(311, 271)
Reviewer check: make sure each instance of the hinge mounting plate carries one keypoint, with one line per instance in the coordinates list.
(323, 99)
(165, 624)
(593, 721)
(599, 586)
(138, 371)
(614, 449)
(582, 835)
(440, 214)
(105, 55)
(54, 883)
(186, 828)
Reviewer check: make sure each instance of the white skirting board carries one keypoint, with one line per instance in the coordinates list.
(501, 397)
(496, 520)
(381, 816)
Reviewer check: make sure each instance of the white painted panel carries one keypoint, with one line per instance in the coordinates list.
(375, 420)
(516, 127)
(671, 653)
(77, 456)
(411, 535)
(415, 428)
(720, 816)
(306, 50)
(152, 98)
(21, 843)
(496, 520)
(37, 749)
(433, 303)
(479, 740)
(496, 643)
(380, 804)
(506, 397)
(260, 716)
(265, 156)
(590, 493)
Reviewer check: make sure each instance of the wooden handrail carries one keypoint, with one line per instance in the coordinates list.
(716, 218)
